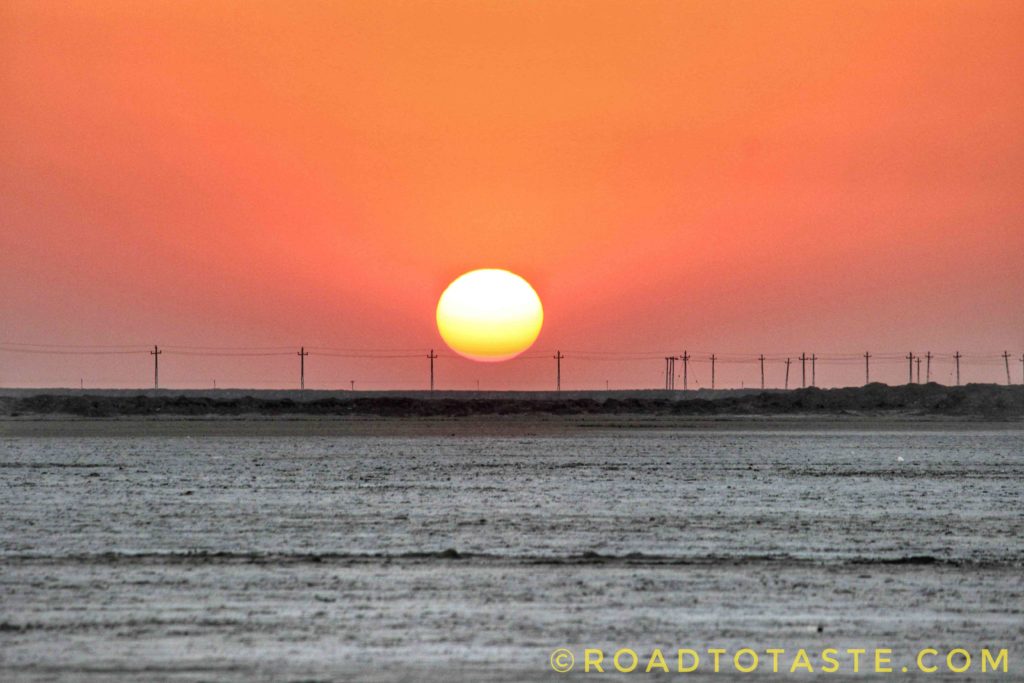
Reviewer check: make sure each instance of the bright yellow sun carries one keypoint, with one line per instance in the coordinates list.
(489, 315)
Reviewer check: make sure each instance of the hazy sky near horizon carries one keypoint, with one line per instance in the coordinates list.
(729, 177)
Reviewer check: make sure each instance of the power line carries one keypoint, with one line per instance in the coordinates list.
(914, 361)
(54, 352)
(169, 347)
(126, 347)
(177, 349)
(226, 354)
(383, 356)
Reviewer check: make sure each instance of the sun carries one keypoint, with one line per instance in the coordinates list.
(489, 315)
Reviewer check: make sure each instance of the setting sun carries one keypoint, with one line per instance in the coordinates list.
(489, 315)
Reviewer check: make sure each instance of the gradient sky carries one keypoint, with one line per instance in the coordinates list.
(740, 178)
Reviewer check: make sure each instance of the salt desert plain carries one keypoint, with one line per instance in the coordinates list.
(440, 549)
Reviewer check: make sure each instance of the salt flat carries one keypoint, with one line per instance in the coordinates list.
(383, 552)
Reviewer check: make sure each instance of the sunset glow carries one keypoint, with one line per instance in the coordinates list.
(731, 178)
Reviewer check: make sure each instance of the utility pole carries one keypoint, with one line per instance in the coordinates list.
(302, 367)
(670, 372)
(558, 370)
(712, 371)
(910, 364)
(352, 384)
(803, 369)
(867, 368)
(918, 361)
(431, 356)
(928, 367)
(686, 360)
(788, 361)
(814, 379)
(156, 365)
(761, 358)
(957, 357)
(1006, 360)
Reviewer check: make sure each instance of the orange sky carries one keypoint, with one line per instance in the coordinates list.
(731, 177)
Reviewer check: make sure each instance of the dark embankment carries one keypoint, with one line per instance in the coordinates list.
(975, 400)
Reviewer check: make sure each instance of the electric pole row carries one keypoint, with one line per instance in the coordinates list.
(914, 362)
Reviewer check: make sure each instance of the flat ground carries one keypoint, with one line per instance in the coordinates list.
(364, 548)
